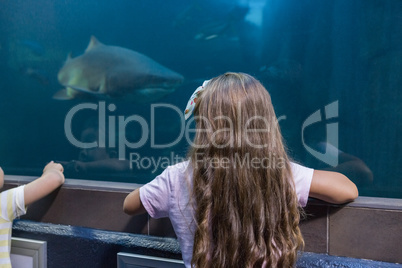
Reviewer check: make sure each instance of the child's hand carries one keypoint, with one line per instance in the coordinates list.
(52, 166)
(51, 179)
(1, 178)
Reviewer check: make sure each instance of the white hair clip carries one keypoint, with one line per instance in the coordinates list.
(193, 99)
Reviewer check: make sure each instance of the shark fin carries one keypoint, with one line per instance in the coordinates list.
(84, 90)
(62, 95)
(93, 43)
(69, 57)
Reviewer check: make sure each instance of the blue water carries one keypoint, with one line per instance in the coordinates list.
(343, 55)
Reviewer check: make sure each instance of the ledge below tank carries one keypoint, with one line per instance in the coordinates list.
(72, 246)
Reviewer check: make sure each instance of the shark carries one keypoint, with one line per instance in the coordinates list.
(113, 72)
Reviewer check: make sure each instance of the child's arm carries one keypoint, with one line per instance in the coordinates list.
(332, 187)
(50, 180)
(132, 204)
(1, 178)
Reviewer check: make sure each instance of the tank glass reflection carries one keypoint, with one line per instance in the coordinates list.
(101, 86)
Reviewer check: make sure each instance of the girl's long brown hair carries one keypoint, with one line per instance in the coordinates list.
(246, 207)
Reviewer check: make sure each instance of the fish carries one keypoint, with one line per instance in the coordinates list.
(33, 46)
(38, 74)
(187, 15)
(113, 72)
(212, 30)
(283, 71)
(228, 25)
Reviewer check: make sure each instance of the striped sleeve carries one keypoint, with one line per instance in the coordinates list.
(12, 203)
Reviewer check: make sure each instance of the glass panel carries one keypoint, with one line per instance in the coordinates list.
(333, 69)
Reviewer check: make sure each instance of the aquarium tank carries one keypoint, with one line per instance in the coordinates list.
(101, 86)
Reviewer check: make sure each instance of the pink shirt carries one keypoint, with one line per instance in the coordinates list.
(168, 196)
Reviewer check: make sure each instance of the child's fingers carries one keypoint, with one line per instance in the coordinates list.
(60, 166)
(53, 165)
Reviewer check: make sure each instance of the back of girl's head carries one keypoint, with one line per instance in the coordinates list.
(235, 111)
(245, 203)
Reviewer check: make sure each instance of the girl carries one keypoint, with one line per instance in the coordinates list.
(236, 202)
(13, 203)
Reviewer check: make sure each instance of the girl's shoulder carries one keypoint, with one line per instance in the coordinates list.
(300, 170)
(178, 172)
(179, 168)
